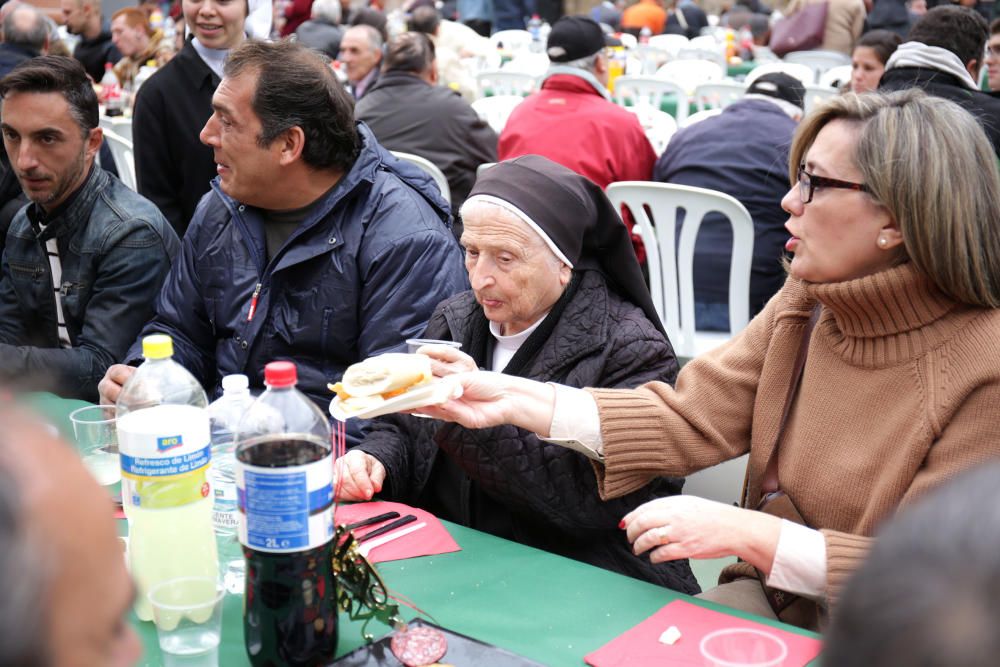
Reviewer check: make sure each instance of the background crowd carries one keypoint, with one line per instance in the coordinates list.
(277, 211)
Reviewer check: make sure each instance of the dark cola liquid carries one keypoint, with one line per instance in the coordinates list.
(290, 610)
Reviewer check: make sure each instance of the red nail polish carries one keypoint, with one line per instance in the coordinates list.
(621, 524)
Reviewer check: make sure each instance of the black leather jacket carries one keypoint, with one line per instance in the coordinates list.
(115, 249)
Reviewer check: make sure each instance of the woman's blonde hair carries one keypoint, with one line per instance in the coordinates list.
(930, 164)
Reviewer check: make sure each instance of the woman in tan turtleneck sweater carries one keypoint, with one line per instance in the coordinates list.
(895, 223)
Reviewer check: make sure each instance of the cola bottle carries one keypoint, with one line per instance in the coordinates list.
(284, 479)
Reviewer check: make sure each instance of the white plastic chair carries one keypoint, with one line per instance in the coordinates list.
(699, 116)
(718, 94)
(707, 42)
(120, 125)
(499, 82)
(659, 126)
(815, 95)
(690, 73)
(430, 168)
(644, 91)
(512, 40)
(836, 76)
(672, 44)
(803, 73)
(671, 265)
(121, 151)
(649, 58)
(627, 40)
(496, 110)
(533, 64)
(818, 60)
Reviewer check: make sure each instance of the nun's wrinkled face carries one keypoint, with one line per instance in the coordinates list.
(515, 276)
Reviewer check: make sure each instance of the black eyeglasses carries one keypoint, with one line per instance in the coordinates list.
(809, 182)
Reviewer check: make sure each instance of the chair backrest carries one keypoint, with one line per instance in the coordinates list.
(118, 124)
(836, 76)
(690, 73)
(817, 94)
(627, 40)
(707, 42)
(718, 94)
(496, 110)
(818, 60)
(803, 73)
(712, 55)
(534, 64)
(512, 40)
(659, 126)
(699, 116)
(671, 264)
(669, 43)
(499, 82)
(430, 168)
(646, 91)
(650, 58)
(121, 151)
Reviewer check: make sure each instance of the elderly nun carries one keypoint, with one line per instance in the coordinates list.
(557, 296)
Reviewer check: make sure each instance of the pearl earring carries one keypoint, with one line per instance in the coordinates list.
(882, 241)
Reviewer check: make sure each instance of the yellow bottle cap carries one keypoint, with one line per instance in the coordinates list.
(157, 346)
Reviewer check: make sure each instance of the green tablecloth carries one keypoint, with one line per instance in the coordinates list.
(548, 608)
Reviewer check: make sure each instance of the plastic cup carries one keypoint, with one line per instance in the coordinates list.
(188, 616)
(742, 647)
(97, 442)
(414, 344)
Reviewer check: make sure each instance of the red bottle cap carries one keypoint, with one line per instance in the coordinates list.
(280, 374)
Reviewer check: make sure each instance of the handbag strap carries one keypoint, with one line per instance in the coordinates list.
(770, 483)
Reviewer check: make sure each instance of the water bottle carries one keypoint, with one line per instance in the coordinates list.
(224, 418)
(284, 480)
(535, 28)
(645, 34)
(142, 76)
(163, 437)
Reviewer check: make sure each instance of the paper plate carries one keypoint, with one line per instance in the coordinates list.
(434, 393)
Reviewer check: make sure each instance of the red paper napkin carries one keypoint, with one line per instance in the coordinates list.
(429, 540)
(640, 646)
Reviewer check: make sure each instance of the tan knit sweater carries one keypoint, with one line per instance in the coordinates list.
(901, 390)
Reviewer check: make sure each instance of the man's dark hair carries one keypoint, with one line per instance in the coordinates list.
(882, 42)
(424, 19)
(26, 28)
(56, 74)
(409, 52)
(296, 88)
(929, 592)
(961, 30)
(994, 26)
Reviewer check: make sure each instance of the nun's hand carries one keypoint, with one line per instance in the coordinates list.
(446, 360)
(490, 399)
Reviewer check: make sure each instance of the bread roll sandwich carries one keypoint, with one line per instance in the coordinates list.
(377, 379)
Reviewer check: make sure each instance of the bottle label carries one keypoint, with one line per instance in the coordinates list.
(285, 510)
(165, 456)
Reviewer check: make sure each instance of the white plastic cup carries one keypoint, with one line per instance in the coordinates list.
(97, 442)
(742, 647)
(414, 344)
(188, 616)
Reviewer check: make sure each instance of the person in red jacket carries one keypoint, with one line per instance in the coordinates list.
(572, 119)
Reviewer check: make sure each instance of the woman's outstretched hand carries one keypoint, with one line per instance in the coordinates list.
(490, 399)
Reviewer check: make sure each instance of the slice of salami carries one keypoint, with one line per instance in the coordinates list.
(419, 646)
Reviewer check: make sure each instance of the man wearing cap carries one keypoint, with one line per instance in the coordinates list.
(572, 119)
(557, 295)
(742, 152)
